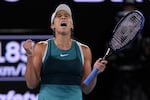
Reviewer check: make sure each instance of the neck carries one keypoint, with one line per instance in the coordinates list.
(63, 43)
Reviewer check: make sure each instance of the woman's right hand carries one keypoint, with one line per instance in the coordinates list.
(28, 47)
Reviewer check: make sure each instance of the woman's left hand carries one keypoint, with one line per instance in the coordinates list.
(100, 64)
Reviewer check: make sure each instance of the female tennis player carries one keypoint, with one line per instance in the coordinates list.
(61, 64)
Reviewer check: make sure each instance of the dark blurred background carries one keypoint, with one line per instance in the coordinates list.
(127, 74)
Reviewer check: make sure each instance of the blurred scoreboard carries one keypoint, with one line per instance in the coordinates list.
(84, 1)
(13, 65)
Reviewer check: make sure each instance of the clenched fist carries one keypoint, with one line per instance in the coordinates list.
(28, 47)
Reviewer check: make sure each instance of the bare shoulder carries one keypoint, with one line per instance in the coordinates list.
(85, 48)
(42, 42)
(87, 54)
(40, 47)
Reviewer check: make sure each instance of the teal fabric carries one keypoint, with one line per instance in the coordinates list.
(55, 52)
(60, 92)
(61, 76)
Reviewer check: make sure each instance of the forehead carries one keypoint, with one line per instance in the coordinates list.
(62, 12)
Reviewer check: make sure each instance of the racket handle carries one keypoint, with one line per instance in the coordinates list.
(91, 76)
(106, 54)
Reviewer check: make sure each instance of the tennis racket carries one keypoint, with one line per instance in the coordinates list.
(124, 33)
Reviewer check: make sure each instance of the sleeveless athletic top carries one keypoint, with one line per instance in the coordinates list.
(61, 73)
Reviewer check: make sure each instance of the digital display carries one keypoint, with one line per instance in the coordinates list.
(100, 1)
(12, 95)
(11, 0)
(12, 56)
(88, 1)
(13, 65)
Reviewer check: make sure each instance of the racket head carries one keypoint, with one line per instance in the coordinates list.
(126, 30)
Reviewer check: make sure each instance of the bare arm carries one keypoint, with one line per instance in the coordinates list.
(100, 64)
(34, 62)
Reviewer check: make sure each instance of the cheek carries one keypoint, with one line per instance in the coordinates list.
(71, 25)
(52, 26)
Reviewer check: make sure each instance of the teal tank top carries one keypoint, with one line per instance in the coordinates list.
(61, 73)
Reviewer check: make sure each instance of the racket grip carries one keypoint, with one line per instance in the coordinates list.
(90, 76)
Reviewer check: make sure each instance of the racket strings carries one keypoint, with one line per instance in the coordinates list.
(134, 27)
(126, 31)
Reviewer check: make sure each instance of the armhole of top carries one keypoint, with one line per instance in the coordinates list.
(46, 50)
(81, 51)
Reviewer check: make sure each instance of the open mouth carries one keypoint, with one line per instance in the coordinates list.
(63, 24)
